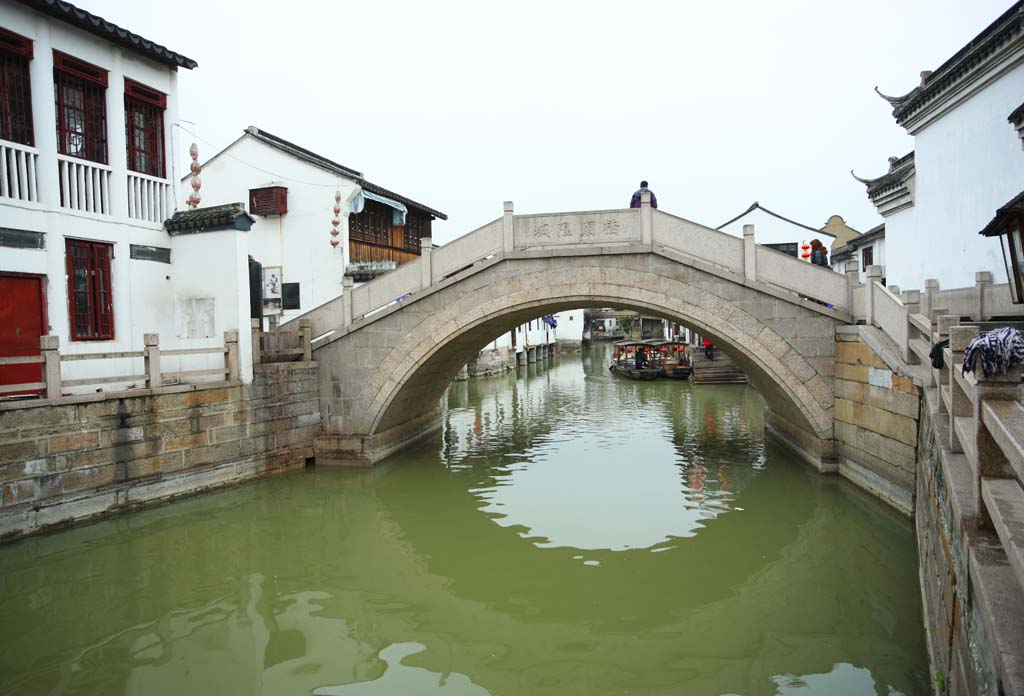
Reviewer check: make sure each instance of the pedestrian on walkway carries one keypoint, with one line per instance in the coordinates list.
(709, 350)
(819, 255)
(634, 202)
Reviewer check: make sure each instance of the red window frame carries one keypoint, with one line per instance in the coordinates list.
(80, 93)
(90, 291)
(15, 89)
(144, 128)
(867, 256)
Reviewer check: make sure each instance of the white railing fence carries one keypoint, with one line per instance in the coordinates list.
(18, 178)
(149, 198)
(143, 369)
(84, 185)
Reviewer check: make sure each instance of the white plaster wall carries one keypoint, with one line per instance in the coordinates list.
(144, 297)
(768, 229)
(968, 163)
(299, 240)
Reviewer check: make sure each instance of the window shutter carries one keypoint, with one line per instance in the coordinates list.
(104, 295)
(272, 200)
(90, 296)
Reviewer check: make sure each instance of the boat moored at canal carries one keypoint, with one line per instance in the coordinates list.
(635, 360)
(672, 357)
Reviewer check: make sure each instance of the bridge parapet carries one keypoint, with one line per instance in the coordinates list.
(599, 232)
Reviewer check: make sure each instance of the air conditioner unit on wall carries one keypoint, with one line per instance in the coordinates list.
(270, 200)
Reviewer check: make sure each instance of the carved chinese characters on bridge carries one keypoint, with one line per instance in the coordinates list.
(592, 228)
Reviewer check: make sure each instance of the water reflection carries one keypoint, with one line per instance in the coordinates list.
(710, 564)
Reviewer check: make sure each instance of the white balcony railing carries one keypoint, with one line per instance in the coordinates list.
(148, 197)
(18, 172)
(84, 185)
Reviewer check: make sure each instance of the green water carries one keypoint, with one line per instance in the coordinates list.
(565, 532)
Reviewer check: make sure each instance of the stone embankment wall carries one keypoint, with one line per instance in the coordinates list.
(876, 412)
(65, 463)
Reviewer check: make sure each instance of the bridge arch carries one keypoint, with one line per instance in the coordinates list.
(383, 380)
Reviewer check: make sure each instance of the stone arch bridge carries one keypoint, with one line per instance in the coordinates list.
(388, 349)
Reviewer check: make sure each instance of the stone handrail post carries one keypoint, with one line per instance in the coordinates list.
(257, 330)
(749, 253)
(347, 286)
(272, 322)
(992, 461)
(231, 355)
(426, 262)
(306, 329)
(982, 285)
(943, 324)
(874, 275)
(852, 281)
(151, 356)
(912, 301)
(931, 286)
(960, 404)
(646, 220)
(508, 228)
(50, 346)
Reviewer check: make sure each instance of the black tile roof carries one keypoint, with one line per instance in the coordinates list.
(335, 168)
(994, 37)
(1011, 212)
(900, 169)
(840, 253)
(82, 19)
(218, 217)
(757, 206)
(1017, 115)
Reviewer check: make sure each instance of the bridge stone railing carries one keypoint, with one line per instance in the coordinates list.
(637, 230)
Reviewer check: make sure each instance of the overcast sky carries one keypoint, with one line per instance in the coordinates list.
(567, 105)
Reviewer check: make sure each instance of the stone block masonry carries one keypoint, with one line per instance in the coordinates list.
(61, 464)
(876, 414)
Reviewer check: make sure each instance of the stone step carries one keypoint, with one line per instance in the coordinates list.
(921, 347)
(1005, 421)
(1004, 500)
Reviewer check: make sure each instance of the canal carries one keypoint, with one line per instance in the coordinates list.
(565, 532)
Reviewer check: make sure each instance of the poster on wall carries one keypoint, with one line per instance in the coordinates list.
(271, 290)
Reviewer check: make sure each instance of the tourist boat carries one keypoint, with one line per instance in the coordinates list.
(672, 358)
(624, 361)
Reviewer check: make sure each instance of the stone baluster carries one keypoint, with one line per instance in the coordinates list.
(257, 332)
(874, 275)
(426, 262)
(231, 355)
(912, 301)
(151, 355)
(852, 281)
(982, 286)
(306, 329)
(508, 228)
(749, 254)
(960, 404)
(646, 221)
(941, 377)
(931, 288)
(347, 286)
(50, 346)
(992, 462)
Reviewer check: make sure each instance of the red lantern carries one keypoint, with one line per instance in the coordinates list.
(629, 350)
(664, 350)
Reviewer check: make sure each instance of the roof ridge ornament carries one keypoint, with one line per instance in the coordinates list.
(894, 101)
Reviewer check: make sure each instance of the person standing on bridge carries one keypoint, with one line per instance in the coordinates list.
(634, 202)
(819, 255)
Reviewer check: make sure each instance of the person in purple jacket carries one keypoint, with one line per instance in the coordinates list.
(635, 200)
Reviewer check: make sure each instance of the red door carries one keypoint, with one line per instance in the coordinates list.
(22, 322)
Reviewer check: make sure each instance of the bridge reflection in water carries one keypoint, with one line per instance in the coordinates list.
(565, 533)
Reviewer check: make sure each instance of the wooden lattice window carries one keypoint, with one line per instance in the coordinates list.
(270, 200)
(417, 225)
(372, 225)
(80, 91)
(144, 128)
(15, 89)
(867, 255)
(90, 298)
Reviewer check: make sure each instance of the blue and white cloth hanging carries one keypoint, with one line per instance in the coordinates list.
(550, 320)
(999, 350)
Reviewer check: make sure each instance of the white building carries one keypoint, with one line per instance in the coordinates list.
(860, 252)
(294, 215)
(775, 231)
(531, 341)
(86, 138)
(967, 162)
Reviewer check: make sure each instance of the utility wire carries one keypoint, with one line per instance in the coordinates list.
(222, 152)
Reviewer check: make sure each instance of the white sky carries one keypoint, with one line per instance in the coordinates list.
(567, 105)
